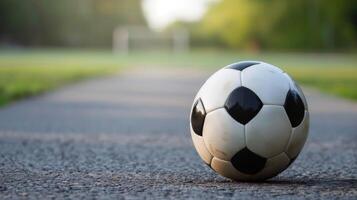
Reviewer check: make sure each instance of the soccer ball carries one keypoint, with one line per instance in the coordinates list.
(249, 121)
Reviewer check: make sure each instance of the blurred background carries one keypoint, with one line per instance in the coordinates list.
(48, 43)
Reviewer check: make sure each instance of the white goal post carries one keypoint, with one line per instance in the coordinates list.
(131, 38)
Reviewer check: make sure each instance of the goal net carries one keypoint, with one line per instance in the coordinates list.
(137, 38)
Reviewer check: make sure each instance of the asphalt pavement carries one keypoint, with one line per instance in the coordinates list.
(127, 137)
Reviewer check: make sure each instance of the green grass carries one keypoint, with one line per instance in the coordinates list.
(24, 74)
(340, 81)
(333, 73)
(29, 72)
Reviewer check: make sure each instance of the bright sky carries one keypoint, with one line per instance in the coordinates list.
(160, 13)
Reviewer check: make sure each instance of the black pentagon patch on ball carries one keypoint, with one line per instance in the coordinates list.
(294, 107)
(241, 65)
(198, 117)
(248, 162)
(243, 104)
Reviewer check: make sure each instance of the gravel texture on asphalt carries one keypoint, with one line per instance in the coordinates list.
(127, 137)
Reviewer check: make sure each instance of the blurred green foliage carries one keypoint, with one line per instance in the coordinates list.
(280, 24)
(65, 22)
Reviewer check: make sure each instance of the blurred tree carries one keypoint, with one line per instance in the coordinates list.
(65, 22)
(281, 24)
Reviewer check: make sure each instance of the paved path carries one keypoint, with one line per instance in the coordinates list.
(127, 137)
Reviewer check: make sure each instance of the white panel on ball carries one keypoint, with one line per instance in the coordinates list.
(201, 148)
(267, 82)
(217, 88)
(274, 166)
(222, 135)
(272, 67)
(268, 133)
(226, 169)
(298, 137)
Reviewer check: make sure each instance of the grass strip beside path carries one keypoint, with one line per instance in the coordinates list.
(29, 72)
(24, 74)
